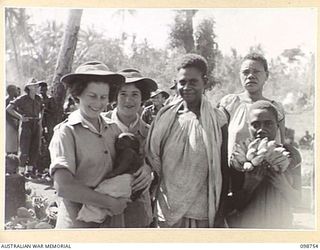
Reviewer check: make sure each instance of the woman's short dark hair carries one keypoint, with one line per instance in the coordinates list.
(145, 92)
(193, 61)
(257, 57)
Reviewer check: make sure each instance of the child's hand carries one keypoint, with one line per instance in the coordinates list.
(142, 179)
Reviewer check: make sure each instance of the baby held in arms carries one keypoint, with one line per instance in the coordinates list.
(118, 181)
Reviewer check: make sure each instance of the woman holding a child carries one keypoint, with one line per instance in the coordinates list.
(130, 96)
(82, 148)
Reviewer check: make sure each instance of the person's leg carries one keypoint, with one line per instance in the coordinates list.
(34, 145)
(24, 144)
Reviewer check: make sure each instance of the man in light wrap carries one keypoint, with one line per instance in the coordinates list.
(186, 148)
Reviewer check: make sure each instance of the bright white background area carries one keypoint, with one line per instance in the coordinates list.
(276, 29)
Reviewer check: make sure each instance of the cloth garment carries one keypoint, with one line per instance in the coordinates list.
(185, 153)
(237, 110)
(269, 206)
(138, 213)
(186, 223)
(118, 186)
(29, 142)
(69, 150)
(48, 120)
(27, 106)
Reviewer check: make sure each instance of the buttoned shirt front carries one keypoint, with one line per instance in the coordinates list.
(27, 106)
(87, 153)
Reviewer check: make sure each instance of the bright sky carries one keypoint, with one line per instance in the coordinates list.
(275, 29)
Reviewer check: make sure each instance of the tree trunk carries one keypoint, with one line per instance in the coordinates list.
(65, 59)
(189, 41)
(16, 54)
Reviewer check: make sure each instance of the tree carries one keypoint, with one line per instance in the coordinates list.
(292, 55)
(226, 75)
(65, 58)
(19, 36)
(206, 46)
(181, 34)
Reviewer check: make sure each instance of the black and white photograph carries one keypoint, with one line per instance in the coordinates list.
(147, 118)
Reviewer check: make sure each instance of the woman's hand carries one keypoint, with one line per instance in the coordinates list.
(142, 177)
(117, 205)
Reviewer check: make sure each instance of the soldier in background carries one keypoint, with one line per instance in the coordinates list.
(27, 109)
(158, 99)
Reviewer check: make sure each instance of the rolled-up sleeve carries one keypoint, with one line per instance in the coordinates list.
(62, 150)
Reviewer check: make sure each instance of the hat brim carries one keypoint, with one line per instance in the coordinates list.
(173, 86)
(143, 82)
(31, 84)
(164, 93)
(111, 78)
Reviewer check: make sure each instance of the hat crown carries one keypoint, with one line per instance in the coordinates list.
(131, 73)
(90, 67)
(32, 80)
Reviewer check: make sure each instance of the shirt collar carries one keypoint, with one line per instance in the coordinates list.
(123, 127)
(75, 118)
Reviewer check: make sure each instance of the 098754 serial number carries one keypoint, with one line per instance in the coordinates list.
(309, 246)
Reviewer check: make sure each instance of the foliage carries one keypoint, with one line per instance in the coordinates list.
(292, 54)
(181, 34)
(93, 46)
(32, 50)
(204, 41)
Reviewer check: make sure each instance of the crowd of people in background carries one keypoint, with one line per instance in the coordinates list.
(201, 166)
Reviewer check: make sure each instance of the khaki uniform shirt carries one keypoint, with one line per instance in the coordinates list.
(88, 154)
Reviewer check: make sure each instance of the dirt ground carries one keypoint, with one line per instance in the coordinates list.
(304, 217)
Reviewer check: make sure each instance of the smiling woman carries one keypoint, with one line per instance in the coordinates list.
(75, 169)
(93, 100)
(126, 115)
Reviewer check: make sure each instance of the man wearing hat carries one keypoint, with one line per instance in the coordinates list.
(27, 109)
(158, 99)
